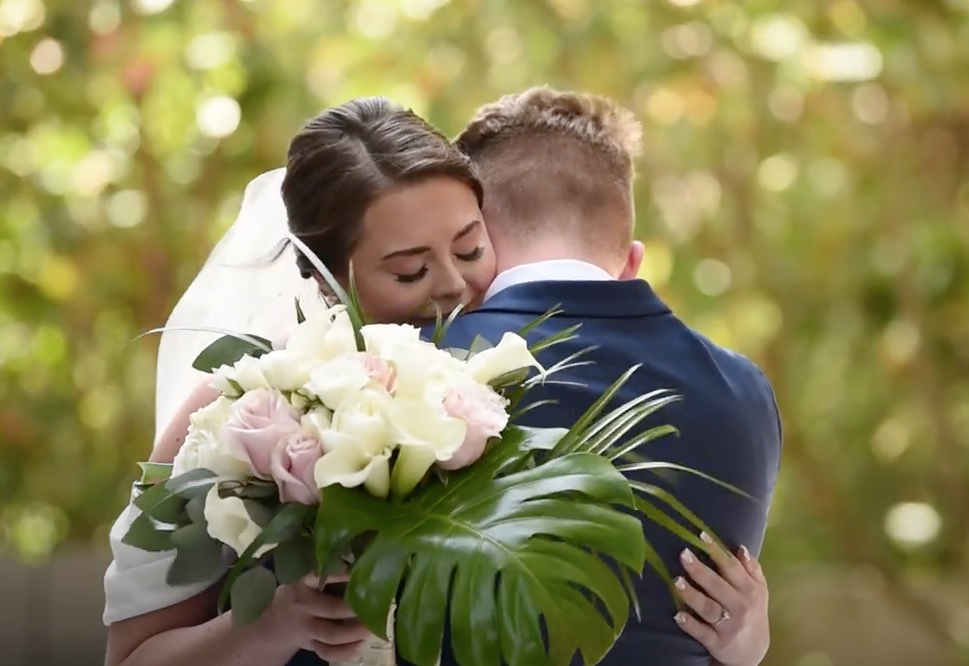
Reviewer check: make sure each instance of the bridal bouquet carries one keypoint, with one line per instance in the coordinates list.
(362, 445)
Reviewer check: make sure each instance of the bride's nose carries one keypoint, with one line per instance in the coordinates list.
(451, 287)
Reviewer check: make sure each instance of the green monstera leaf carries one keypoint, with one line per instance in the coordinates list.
(480, 549)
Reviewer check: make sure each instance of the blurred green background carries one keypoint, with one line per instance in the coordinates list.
(804, 198)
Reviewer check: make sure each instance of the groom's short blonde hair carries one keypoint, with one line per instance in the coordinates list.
(544, 154)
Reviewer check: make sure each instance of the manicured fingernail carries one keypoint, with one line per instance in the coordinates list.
(680, 618)
(744, 553)
(680, 583)
(687, 556)
(704, 537)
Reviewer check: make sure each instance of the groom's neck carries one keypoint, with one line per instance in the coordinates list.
(515, 252)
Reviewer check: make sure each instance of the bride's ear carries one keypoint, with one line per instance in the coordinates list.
(634, 260)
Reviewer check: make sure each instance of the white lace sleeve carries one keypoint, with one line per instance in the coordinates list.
(134, 583)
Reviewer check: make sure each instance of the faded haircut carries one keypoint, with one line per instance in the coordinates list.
(550, 157)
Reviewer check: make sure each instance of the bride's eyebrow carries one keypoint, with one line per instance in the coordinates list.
(422, 249)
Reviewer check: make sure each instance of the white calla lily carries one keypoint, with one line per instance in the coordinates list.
(323, 336)
(425, 434)
(510, 354)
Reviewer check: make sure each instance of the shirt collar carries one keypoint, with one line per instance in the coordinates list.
(551, 270)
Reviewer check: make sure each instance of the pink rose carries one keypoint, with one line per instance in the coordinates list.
(262, 420)
(292, 465)
(378, 370)
(483, 410)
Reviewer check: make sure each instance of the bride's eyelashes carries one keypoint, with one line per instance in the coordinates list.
(410, 278)
(474, 255)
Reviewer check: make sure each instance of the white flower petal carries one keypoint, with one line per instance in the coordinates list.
(510, 354)
(348, 466)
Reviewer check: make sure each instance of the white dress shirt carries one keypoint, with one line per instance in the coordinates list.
(553, 269)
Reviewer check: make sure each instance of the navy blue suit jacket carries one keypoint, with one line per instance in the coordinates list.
(728, 422)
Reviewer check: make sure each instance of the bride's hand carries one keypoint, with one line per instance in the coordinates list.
(729, 609)
(307, 618)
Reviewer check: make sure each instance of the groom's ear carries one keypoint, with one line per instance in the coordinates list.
(634, 259)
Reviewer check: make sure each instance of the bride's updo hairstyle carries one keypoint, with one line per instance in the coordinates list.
(345, 159)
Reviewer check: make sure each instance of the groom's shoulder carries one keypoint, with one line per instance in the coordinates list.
(744, 376)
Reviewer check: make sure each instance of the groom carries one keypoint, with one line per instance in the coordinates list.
(557, 170)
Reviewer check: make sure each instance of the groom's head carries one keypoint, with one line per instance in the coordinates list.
(557, 170)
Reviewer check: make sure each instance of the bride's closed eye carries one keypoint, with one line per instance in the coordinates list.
(416, 276)
(408, 278)
(474, 255)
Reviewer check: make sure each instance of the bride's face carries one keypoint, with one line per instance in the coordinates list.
(423, 244)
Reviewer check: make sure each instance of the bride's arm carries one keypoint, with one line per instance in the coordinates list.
(190, 632)
(171, 439)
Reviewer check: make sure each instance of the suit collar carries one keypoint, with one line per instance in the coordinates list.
(613, 299)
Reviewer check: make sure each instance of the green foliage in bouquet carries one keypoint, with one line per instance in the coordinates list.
(521, 536)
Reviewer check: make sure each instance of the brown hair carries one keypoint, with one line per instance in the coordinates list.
(545, 154)
(345, 158)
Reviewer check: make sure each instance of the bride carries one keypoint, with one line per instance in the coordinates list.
(367, 181)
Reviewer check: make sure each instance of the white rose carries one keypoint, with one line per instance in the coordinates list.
(386, 340)
(323, 336)
(246, 374)
(204, 447)
(228, 521)
(426, 433)
(317, 421)
(214, 415)
(284, 370)
(509, 355)
(418, 365)
(336, 381)
(357, 445)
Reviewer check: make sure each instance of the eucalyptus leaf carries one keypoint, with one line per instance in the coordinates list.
(256, 489)
(195, 510)
(228, 349)
(193, 535)
(300, 317)
(261, 515)
(152, 472)
(286, 524)
(195, 483)
(145, 535)
(160, 504)
(202, 563)
(252, 594)
(294, 558)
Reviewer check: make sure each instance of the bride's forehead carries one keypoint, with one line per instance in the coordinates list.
(437, 207)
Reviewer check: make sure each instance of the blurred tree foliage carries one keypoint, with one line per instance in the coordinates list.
(804, 199)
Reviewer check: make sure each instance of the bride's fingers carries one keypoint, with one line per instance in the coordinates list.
(335, 654)
(752, 566)
(312, 580)
(711, 583)
(729, 566)
(332, 632)
(328, 606)
(705, 607)
(704, 633)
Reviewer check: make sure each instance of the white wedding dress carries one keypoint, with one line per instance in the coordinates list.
(239, 289)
